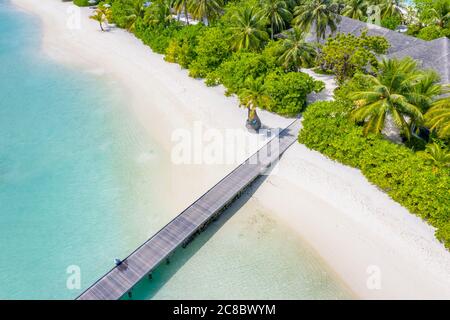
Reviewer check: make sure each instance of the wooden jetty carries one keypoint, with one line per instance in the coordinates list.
(178, 232)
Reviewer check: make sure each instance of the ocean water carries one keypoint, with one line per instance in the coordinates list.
(77, 174)
(246, 254)
(81, 184)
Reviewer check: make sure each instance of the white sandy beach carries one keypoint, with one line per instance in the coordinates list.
(357, 229)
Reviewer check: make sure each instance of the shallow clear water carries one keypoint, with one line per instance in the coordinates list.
(76, 173)
(246, 254)
(81, 183)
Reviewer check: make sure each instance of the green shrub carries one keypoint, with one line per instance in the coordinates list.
(347, 54)
(157, 37)
(81, 3)
(238, 70)
(433, 32)
(391, 22)
(289, 91)
(355, 84)
(413, 29)
(181, 48)
(212, 49)
(120, 10)
(403, 174)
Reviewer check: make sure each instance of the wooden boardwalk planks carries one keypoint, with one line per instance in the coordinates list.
(121, 279)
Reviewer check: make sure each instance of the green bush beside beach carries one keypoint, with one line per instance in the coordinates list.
(408, 179)
(81, 3)
(234, 45)
(207, 52)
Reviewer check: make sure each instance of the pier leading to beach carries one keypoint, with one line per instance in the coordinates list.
(183, 228)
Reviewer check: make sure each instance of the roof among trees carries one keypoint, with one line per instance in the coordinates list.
(432, 54)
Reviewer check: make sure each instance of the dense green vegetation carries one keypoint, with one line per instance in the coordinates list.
(425, 19)
(234, 45)
(406, 176)
(346, 54)
(212, 50)
(349, 130)
(81, 3)
(400, 90)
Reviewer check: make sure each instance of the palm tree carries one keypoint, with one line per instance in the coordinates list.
(182, 6)
(391, 8)
(440, 157)
(247, 27)
(159, 12)
(277, 12)
(355, 9)
(138, 12)
(426, 89)
(320, 13)
(295, 51)
(252, 98)
(439, 13)
(100, 15)
(438, 117)
(394, 92)
(205, 9)
(340, 5)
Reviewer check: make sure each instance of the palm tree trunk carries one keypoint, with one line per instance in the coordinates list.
(101, 26)
(186, 12)
(271, 29)
(253, 122)
(250, 114)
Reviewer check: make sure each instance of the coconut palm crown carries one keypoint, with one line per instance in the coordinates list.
(400, 91)
(355, 9)
(205, 9)
(277, 12)
(438, 117)
(248, 30)
(295, 51)
(319, 14)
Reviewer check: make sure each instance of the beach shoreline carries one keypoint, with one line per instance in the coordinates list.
(357, 229)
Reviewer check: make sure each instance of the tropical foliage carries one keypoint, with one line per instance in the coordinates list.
(254, 97)
(205, 10)
(289, 90)
(81, 3)
(406, 176)
(436, 155)
(400, 91)
(212, 49)
(101, 15)
(355, 9)
(322, 14)
(182, 47)
(277, 12)
(438, 117)
(438, 13)
(346, 54)
(247, 29)
(294, 51)
(240, 69)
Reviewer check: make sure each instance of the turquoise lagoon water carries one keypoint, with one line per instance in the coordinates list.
(79, 185)
(76, 173)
